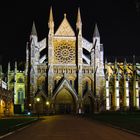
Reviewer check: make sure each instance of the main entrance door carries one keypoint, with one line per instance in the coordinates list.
(64, 108)
(64, 102)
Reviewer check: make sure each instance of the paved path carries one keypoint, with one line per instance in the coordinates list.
(69, 128)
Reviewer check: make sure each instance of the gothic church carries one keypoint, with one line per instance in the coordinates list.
(64, 77)
(72, 76)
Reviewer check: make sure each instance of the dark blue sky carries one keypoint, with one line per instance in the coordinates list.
(118, 23)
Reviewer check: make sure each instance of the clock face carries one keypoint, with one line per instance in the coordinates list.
(65, 53)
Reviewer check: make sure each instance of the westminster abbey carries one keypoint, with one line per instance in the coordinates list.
(72, 76)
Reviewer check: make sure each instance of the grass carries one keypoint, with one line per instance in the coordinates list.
(127, 120)
(10, 124)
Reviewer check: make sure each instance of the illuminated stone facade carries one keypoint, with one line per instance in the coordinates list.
(16, 84)
(64, 76)
(6, 103)
(6, 98)
(72, 77)
(122, 85)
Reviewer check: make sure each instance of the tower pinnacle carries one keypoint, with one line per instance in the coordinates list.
(9, 66)
(79, 21)
(96, 32)
(33, 32)
(50, 22)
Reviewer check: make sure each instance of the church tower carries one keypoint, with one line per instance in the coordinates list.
(97, 61)
(34, 60)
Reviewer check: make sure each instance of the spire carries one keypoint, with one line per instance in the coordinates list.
(134, 60)
(105, 60)
(96, 31)
(125, 62)
(124, 66)
(50, 22)
(15, 66)
(79, 21)
(115, 66)
(33, 32)
(134, 63)
(9, 67)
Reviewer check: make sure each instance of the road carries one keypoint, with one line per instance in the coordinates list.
(70, 128)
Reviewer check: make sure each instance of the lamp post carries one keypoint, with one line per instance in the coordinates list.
(37, 107)
(47, 104)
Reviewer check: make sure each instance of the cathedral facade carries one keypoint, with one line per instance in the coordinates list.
(63, 80)
(65, 73)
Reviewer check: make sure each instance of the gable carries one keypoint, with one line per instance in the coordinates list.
(65, 29)
(65, 84)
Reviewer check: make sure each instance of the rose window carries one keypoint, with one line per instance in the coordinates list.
(65, 54)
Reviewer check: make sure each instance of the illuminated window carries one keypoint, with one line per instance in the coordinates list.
(65, 53)
(20, 96)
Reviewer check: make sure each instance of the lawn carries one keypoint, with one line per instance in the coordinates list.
(7, 125)
(127, 120)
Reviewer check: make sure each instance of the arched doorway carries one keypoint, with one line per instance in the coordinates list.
(64, 102)
(40, 106)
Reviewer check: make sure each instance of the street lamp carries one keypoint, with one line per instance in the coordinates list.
(38, 100)
(47, 104)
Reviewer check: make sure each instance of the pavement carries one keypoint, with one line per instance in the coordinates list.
(66, 127)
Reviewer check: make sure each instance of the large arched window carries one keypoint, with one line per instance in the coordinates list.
(20, 96)
(86, 85)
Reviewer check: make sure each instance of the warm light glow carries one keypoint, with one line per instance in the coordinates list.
(107, 92)
(127, 92)
(107, 84)
(47, 103)
(107, 104)
(137, 84)
(117, 84)
(38, 99)
(126, 84)
(30, 104)
(127, 102)
(127, 97)
(137, 98)
(117, 103)
(117, 93)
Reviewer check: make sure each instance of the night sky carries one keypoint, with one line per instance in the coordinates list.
(118, 22)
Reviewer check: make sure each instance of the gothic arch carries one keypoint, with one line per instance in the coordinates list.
(87, 83)
(65, 101)
(20, 95)
(71, 80)
(57, 79)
